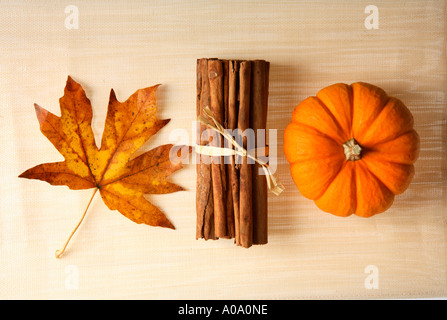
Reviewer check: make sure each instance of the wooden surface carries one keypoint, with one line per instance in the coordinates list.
(135, 44)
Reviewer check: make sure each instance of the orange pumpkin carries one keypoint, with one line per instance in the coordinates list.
(351, 149)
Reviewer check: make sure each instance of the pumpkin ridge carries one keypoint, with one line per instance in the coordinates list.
(389, 99)
(332, 180)
(381, 106)
(351, 106)
(317, 131)
(336, 164)
(354, 186)
(408, 167)
(365, 165)
(375, 209)
(398, 163)
(316, 145)
(329, 112)
(388, 140)
(409, 159)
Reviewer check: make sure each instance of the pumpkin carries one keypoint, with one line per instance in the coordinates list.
(351, 149)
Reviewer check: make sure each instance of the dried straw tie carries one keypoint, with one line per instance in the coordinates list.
(273, 182)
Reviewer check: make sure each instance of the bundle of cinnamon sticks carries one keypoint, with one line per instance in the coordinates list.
(231, 197)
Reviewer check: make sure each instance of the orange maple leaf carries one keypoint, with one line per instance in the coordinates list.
(121, 180)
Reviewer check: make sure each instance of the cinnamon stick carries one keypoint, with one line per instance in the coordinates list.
(204, 190)
(227, 161)
(233, 110)
(245, 192)
(215, 74)
(258, 122)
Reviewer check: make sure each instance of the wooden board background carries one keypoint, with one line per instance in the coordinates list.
(127, 45)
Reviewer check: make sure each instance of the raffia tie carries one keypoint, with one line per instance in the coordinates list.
(273, 182)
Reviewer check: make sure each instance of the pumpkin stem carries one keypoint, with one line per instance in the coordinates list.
(352, 150)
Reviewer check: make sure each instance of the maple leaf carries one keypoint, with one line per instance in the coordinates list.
(121, 180)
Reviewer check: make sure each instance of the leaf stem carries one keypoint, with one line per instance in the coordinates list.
(60, 252)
